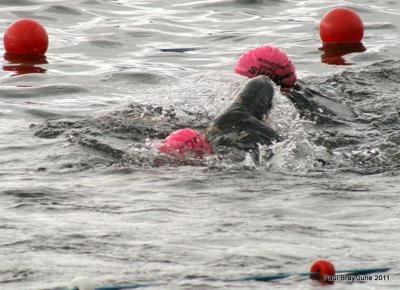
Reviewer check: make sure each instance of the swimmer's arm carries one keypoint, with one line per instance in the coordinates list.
(239, 121)
(317, 107)
(244, 121)
(267, 131)
(259, 129)
(302, 99)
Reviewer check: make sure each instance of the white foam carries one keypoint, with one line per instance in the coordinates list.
(81, 283)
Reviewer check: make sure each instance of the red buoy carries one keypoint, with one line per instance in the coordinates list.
(325, 269)
(26, 36)
(341, 25)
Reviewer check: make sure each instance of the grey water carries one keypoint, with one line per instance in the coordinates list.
(82, 194)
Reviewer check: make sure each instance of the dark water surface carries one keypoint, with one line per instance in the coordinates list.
(79, 192)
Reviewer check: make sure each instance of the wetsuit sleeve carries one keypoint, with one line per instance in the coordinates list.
(265, 133)
(241, 130)
(313, 105)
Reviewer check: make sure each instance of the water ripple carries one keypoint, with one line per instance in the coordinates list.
(81, 191)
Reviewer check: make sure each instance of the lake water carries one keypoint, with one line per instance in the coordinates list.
(79, 190)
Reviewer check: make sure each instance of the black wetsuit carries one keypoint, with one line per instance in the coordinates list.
(241, 126)
(317, 107)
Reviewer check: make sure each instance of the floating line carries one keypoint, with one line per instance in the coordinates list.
(287, 275)
(264, 278)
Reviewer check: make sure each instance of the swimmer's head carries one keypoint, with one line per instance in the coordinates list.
(256, 96)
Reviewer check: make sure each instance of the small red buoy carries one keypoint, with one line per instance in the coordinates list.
(325, 269)
(26, 36)
(185, 142)
(341, 25)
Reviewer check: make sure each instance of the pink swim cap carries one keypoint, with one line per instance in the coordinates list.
(184, 142)
(270, 61)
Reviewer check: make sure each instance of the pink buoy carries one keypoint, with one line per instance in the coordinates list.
(185, 142)
(270, 61)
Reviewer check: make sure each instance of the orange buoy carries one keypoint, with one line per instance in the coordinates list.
(324, 268)
(341, 25)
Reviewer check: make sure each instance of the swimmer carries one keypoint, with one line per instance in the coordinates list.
(241, 125)
(311, 104)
